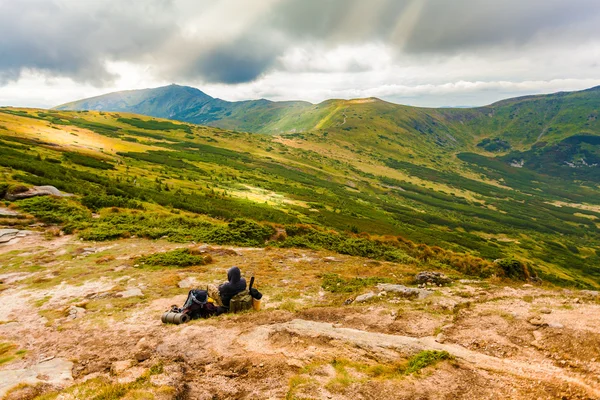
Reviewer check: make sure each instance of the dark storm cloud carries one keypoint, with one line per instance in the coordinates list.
(243, 60)
(75, 38)
(439, 25)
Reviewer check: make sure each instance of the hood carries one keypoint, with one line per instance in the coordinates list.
(234, 274)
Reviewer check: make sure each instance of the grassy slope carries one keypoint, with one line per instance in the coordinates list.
(385, 170)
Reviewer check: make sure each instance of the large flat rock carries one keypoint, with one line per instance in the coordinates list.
(56, 372)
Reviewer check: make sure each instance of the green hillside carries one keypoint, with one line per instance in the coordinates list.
(370, 178)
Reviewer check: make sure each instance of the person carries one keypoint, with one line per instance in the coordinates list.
(223, 294)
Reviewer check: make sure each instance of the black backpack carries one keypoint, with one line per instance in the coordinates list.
(197, 305)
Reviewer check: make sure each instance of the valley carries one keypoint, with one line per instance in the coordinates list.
(333, 208)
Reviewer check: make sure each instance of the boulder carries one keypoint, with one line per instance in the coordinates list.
(403, 290)
(365, 297)
(436, 278)
(37, 191)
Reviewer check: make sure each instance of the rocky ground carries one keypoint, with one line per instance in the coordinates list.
(81, 320)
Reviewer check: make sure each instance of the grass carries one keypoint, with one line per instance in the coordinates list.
(104, 389)
(336, 284)
(348, 372)
(175, 258)
(9, 352)
(415, 205)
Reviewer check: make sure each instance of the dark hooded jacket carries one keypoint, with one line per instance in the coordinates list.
(235, 285)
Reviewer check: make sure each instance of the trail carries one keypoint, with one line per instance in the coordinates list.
(258, 341)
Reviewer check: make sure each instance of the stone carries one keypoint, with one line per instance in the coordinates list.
(7, 235)
(440, 338)
(5, 212)
(292, 362)
(143, 350)
(188, 283)
(403, 291)
(365, 297)
(37, 191)
(133, 292)
(556, 325)
(527, 285)
(536, 321)
(433, 278)
(118, 367)
(546, 311)
(76, 312)
(331, 259)
(56, 372)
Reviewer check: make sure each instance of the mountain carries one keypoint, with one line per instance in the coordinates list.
(184, 103)
(455, 188)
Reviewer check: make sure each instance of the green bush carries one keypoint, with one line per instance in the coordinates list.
(98, 201)
(424, 359)
(516, 269)
(54, 210)
(336, 284)
(175, 258)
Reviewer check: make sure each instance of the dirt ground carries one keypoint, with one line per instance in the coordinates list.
(81, 320)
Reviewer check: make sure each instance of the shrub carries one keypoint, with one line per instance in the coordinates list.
(336, 284)
(175, 258)
(424, 359)
(55, 210)
(98, 201)
(516, 269)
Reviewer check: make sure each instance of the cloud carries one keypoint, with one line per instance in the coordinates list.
(76, 39)
(325, 44)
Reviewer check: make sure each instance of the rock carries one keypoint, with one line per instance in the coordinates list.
(577, 301)
(133, 292)
(5, 212)
(591, 293)
(187, 283)
(556, 325)
(364, 297)
(76, 312)
(440, 338)
(37, 191)
(536, 321)
(331, 259)
(546, 311)
(403, 290)
(56, 372)
(118, 367)
(7, 235)
(435, 278)
(527, 285)
(537, 335)
(131, 375)
(292, 362)
(143, 351)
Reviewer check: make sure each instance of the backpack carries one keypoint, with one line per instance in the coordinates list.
(197, 305)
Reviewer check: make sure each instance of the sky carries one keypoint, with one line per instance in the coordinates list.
(432, 53)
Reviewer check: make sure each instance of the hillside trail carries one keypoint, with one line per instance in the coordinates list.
(81, 321)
